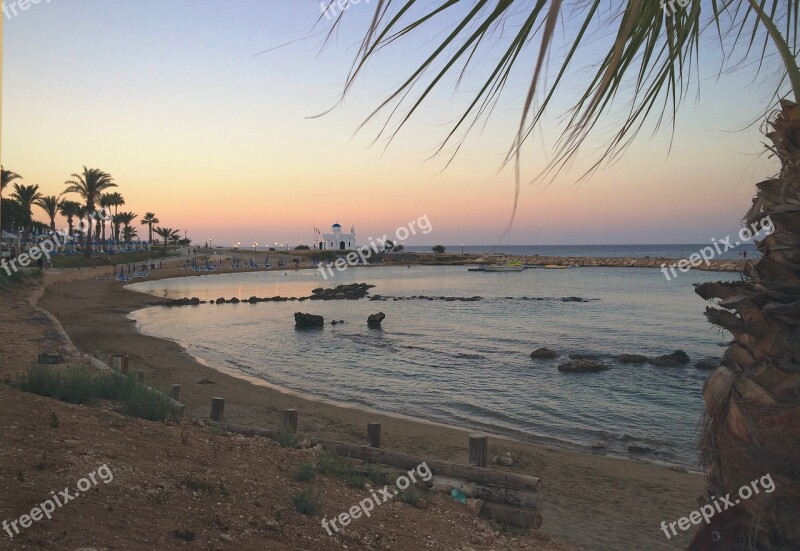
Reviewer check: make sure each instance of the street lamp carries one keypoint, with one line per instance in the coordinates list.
(462, 248)
(254, 246)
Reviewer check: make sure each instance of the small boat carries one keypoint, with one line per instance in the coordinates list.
(477, 269)
(503, 269)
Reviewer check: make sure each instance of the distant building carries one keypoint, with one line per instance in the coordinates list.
(336, 240)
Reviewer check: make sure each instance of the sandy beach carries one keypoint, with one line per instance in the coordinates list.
(590, 500)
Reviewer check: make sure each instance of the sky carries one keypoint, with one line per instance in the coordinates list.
(171, 99)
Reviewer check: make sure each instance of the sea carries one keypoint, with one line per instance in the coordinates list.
(467, 364)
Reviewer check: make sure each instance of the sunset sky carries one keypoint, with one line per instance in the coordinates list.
(170, 98)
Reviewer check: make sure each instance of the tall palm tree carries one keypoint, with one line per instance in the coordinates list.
(6, 177)
(50, 204)
(641, 56)
(149, 220)
(168, 235)
(69, 210)
(26, 196)
(89, 185)
(116, 200)
(126, 219)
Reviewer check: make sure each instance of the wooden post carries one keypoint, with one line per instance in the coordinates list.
(290, 419)
(140, 376)
(478, 450)
(175, 392)
(118, 362)
(374, 435)
(217, 408)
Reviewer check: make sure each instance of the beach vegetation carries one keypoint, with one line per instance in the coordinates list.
(149, 220)
(306, 502)
(19, 279)
(286, 438)
(168, 235)
(641, 59)
(305, 472)
(439, 249)
(81, 384)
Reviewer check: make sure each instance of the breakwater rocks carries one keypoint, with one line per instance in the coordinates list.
(353, 291)
(307, 321)
(384, 298)
(589, 363)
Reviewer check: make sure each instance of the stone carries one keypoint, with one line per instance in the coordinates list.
(631, 359)
(676, 359)
(375, 320)
(544, 354)
(707, 364)
(305, 321)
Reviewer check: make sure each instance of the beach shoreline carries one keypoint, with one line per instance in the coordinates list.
(616, 502)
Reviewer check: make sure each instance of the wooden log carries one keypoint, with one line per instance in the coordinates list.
(217, 408)
(374, 435)
(478, 450)
(480, 475)
(175, 392)
(516, 516)
(290, 420)
(486, 492)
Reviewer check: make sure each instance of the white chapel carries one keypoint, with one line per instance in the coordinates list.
(337, 240)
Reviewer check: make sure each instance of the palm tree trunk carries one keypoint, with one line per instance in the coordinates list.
(752, 421)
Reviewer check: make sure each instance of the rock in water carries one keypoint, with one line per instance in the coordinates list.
(631, 359)
(544, 354)
(582, 366)
(375, 319)
(303, 321)
(677, 358)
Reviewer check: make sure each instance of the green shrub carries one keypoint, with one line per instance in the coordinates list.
(80, 385)
(305, 472)
(334, 465)
(286, 438)
(306, 502)
(147, 403)
(118, 387)
(43, 380)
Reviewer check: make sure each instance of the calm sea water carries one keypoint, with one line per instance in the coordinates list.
(467, 363)
(604, 251)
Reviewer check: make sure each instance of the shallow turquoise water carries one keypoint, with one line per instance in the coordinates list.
(467, 363)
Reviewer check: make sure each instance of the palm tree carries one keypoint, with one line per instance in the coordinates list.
(106, 200)
(89, 185)
(148, 220)
(26, 196)
(128, 233)
(115, 200)
(50, 204)
(642, 56)
(126, 219)
(69, 210)
(168, 235)
(6, 177)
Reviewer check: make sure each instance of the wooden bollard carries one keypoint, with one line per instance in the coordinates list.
(478, 450)
(374, 435)
(118, 362)
(175, 392)
(290, 420)
(217, 408)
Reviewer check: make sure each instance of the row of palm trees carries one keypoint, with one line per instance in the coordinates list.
(95, 201)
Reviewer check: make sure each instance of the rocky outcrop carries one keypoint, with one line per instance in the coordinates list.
(582, 366)
(707, 364)
(544, 354)
(676, 359)
(375, 320)
(353, 291)
(305, 321)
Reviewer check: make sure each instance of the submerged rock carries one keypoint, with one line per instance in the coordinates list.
(544, 354)
(582, 366)
(676, 359)
(631, 359)
(634, 448)
(707, 364)
(302, 321)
